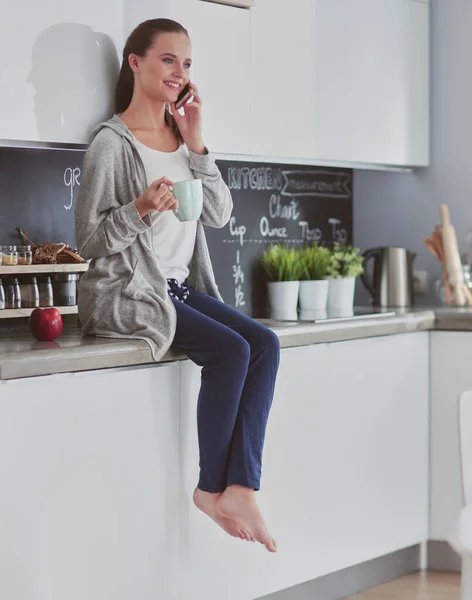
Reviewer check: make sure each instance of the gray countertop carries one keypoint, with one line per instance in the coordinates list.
(22, 356)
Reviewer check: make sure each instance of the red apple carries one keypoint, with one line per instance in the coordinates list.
(46, 324)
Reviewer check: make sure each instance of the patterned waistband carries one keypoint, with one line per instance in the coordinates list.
(177, 290)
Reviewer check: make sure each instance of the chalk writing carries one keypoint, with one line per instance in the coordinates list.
(317, 183)
(310, 235)
(237, 231)
(268, 231)
(257, 178)
(238, 276)
(277, 208)
(71, 180)
(338, 235)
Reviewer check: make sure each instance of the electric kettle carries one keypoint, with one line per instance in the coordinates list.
(391, 282)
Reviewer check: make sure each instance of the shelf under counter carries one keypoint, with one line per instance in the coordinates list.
(43, 268)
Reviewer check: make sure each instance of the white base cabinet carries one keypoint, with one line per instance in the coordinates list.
(89, 479)
(451, 374)
(345, 475)
(98, 471)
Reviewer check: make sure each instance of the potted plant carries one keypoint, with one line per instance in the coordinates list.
(282, 267)
(345, 265)
(314, 263)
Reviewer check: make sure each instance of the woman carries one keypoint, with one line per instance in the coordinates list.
(151, 277)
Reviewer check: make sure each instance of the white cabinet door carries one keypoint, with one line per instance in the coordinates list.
(220, 53)
(372, 81)
(283, 109)
(361, 100)
(345, 473)
(59, 79)
(418, 72)
(89, 502)
(135, 13)
(450, 376)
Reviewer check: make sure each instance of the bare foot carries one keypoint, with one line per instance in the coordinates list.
(239, 503)
(206, 502)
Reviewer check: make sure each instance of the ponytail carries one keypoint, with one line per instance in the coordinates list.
(170, 122)
(124, 88)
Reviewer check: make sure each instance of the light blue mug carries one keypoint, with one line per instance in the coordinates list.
(190, 197)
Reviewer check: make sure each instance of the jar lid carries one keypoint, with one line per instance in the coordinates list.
(65, 277)
(9, 248)
(24, 248)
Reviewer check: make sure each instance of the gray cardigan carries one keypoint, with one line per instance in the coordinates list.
(124, 293)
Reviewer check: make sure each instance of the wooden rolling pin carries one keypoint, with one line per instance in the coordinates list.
(452, 258)
(437, 251)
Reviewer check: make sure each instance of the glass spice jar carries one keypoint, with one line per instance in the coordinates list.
(25, 255)
(29, 292)
(46, 297)
(12, 293)
(9, 256)
(2, 296)
(65, 289)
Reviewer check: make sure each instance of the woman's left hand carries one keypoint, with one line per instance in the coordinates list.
(190, 124)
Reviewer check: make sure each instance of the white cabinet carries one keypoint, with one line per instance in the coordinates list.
(63, 61)
(345, 473)
(220, 69)
(137, 11)
(418, 72)
(89, 502)
(283, 80)
(450, 376)
(371, 67)
(308, 80)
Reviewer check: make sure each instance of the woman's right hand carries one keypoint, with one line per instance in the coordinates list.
(158, 196)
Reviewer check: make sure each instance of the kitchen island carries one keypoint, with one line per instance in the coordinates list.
(100, 458)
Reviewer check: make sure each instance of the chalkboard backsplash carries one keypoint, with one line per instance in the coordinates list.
(272, 203)
(289, 204)
(38, 190)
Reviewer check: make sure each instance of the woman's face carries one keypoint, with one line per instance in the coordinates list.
(165, 69)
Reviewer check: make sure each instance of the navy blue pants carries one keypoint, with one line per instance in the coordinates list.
(239, 359)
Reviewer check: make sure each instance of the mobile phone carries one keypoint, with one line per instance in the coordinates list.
(183, 96)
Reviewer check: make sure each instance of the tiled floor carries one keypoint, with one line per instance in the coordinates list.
(431, 586)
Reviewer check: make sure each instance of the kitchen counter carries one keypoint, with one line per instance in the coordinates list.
(21, 356)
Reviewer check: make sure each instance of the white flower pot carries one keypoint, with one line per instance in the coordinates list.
(283, 299)
(314, 295)
(312, 315)
(341, 292)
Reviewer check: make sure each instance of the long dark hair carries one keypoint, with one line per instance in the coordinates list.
(139, 42)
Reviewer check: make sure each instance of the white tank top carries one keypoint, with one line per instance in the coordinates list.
(174, 242)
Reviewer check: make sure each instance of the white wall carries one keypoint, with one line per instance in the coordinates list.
(401, 208)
